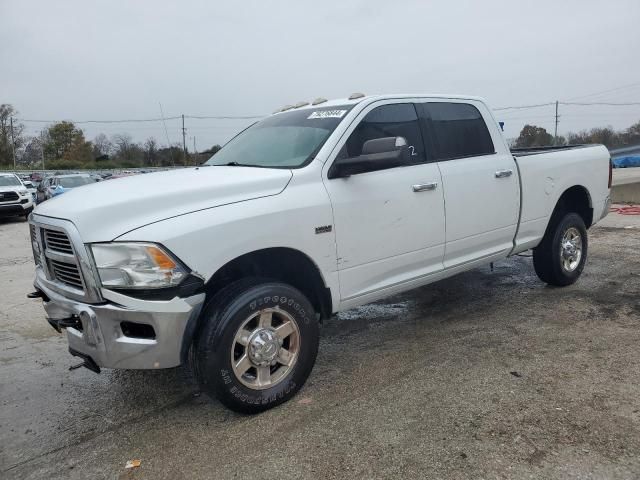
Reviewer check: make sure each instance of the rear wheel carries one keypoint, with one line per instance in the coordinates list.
(257, 345)
(561, 256)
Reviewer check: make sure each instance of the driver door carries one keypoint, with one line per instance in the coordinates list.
(389, 223)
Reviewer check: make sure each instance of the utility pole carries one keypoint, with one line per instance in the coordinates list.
(195, 152)
(555, 133)
(184, 140)
(13, 143)
(42, 151)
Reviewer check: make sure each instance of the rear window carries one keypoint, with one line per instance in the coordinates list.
(458, 130)
(72, 182)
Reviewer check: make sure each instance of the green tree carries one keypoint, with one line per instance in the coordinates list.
(213, 150)
(64, 140)
(532, 136)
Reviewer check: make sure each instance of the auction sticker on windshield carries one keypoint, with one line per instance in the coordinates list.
(327, 114)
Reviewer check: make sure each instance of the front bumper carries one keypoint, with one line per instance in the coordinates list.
(16, 209)
(99, 332)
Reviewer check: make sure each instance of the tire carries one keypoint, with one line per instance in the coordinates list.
(256, 345)
(554, 264)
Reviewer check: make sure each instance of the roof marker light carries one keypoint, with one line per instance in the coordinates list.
(301, 104)
(318, 101)
(353, 96)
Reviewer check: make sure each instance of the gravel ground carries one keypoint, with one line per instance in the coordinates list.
(485, 375)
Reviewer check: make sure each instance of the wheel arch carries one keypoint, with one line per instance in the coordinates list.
(575, 199)
(284, 264)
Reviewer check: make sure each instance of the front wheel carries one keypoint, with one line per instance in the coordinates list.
(257, 345)
(560, 257)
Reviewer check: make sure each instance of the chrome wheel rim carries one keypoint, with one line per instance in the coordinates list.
(571, 249)
(265, 348)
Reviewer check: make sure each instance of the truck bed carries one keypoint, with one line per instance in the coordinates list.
(523, 152)
(546, 172)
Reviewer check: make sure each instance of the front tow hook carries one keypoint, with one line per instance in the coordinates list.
(70, 322)
(38, 294)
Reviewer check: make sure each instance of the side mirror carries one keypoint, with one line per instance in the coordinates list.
(377, 154)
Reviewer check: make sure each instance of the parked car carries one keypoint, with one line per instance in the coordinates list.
(15, 199)
(31, 188)
(41, 190)
(309, 212)
(59, 184)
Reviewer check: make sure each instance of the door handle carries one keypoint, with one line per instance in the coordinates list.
(504, 173)
(424, 187)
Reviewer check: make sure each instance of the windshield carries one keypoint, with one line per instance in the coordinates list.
(9, 181)
(72, 182)
(284, 140)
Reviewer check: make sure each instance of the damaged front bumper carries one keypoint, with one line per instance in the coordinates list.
(122, 332)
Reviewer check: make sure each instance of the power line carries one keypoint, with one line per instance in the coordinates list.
(141, 120)
(218, 117)
(136, 120)
(611, 104)
(520, 107)
(255, 117)
(623, 87)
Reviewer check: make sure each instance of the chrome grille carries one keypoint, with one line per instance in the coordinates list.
(66, 273)
(34, 243)
(61, 259)
(64, 263)
(57, 241)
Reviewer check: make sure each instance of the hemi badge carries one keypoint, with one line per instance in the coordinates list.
(323, 229)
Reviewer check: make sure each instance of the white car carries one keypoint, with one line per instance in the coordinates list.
(15, 199)
(313, 210)
(31, 188)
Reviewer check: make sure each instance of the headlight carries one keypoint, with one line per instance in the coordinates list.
(136, 265)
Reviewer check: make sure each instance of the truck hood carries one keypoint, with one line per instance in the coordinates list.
(104, 211)
(13, 188)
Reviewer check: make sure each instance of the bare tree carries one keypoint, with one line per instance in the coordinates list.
(101, 146)
(151, 152)
(122, 143)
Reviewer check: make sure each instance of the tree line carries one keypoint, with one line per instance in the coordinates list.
(63, 146)
(534, 136)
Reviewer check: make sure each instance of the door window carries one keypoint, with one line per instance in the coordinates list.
(395, 120)
(458, 130)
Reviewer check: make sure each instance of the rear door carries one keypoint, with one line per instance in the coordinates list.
(480, 181)
(389, 224)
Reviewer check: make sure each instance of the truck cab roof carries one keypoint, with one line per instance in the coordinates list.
(371, 98)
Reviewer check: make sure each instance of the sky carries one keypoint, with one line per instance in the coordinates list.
(115, 59)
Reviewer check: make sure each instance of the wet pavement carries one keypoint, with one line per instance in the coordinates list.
(484, 375)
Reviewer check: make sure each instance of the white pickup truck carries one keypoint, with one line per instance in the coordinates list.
(315, 209)
(15, 198)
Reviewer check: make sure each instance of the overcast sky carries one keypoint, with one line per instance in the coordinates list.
(113, 59)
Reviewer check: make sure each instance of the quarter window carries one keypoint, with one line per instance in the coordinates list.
(458, 130)
(396, 120)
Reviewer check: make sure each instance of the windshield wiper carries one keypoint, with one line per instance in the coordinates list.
(232, 164)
